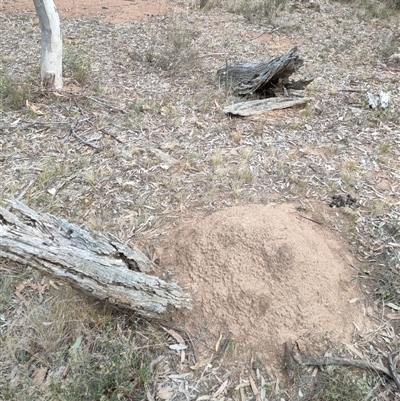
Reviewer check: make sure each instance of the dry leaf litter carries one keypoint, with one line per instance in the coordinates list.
(144, 146)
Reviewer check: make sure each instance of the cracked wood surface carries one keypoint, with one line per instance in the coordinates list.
(265, 77)
(98, 265)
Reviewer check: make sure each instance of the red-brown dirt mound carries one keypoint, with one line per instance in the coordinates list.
(267, 275)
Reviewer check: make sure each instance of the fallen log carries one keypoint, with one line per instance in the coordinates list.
(99, 265)
(255, 107)
(266, 78)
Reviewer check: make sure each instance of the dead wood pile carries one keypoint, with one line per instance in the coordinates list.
(265, 80)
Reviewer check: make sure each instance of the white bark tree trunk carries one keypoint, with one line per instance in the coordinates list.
(51, 56)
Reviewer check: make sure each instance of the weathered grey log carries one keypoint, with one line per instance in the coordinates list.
(99, 265)
(264, 78)
(255, 107)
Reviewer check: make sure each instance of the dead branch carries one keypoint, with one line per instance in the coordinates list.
(322, 361)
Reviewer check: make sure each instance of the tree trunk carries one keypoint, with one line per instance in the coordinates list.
(51, 56)
(98, 265)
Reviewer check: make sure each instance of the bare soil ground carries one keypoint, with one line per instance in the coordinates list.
(266, 275)
(136, 144)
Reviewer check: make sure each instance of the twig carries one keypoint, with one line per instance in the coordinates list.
(226, 78)
(62, 92)
(374, 190)
(161, 323)
(352, 90)
(97, 148)
(210, 55)
(192, 344)
(321, 361)
(112, 135)
(393, 372)
(225, 344)
(259, 36)
(22, 194)
(104, 104)
(201, 377)
(307, 218)
(33, 124)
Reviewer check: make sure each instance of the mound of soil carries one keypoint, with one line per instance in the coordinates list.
(267, 275)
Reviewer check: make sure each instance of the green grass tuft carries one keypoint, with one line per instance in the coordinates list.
(13, 92)
(341, 384)
(77, 64)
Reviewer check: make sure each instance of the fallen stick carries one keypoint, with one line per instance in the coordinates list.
(393, 372)
(322, 361)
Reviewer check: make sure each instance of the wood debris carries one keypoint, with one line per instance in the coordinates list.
(255, 107)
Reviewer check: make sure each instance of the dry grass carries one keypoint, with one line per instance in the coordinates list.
(58, 345)
(137, 141)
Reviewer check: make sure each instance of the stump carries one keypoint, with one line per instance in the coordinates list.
(265, 78)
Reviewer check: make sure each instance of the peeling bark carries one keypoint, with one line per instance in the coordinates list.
(98, 265)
